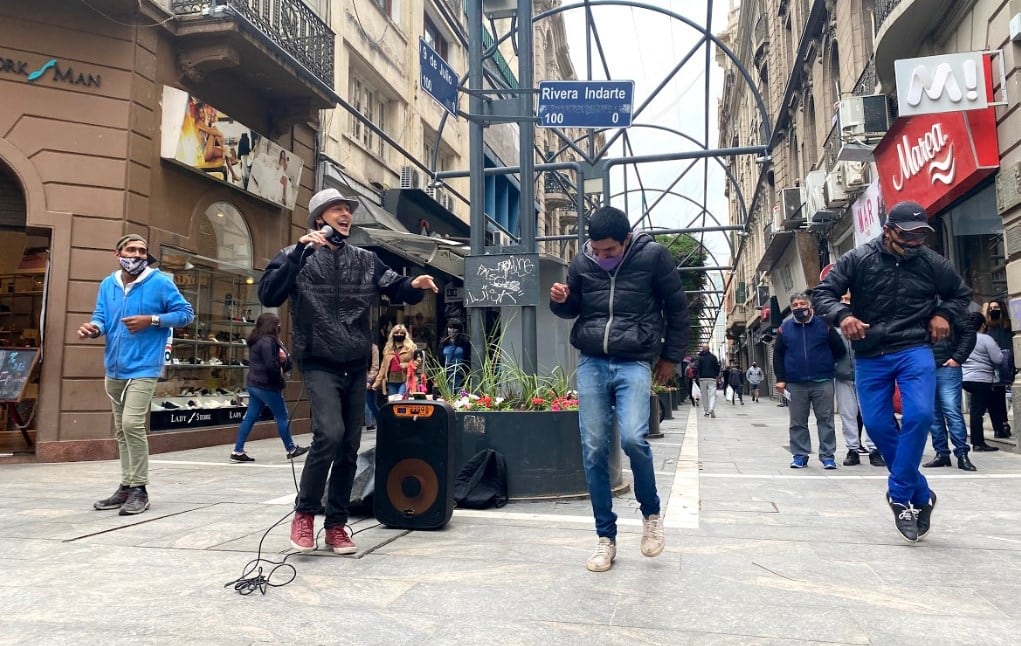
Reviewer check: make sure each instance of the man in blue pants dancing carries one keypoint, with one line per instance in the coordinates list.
(894, 316)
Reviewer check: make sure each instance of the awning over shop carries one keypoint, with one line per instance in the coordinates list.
(774, 251)
(411, 205)
(438, 253)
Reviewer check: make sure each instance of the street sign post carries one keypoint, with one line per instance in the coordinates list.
(585, 104)
(437, 77)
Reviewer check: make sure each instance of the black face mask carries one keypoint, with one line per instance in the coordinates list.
(802, 315)
(399, 338)
(994, 315)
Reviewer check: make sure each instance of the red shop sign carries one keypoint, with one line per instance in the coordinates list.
(933, 159)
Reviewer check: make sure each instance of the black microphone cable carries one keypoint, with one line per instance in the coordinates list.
(252, 577)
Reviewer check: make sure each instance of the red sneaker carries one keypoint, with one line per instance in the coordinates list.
(302, 534)
(338, 541)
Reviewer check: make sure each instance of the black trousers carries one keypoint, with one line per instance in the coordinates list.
(981, 394)
(337, 402)
(998, 407)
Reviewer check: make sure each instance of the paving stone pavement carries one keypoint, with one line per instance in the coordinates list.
(756, 554)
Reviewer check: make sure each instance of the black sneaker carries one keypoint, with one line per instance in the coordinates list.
(876, 458)
(137, 502)
(904, 520)
(241, 457)
(296, 452)
(862, 450)
(118, 498)
(938, 461)
(852, 458)
(924, 515)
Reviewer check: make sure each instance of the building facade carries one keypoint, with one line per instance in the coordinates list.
(844, 145)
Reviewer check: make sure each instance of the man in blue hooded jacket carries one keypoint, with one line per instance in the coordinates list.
(135, 309)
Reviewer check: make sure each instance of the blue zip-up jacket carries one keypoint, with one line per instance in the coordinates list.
(139, 355)
(806, 351)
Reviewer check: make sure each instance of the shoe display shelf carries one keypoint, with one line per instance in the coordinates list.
(207, 361)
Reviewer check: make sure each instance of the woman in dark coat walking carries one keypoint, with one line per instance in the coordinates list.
(268, 362)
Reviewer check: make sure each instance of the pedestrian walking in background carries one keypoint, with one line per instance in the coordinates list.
(707, 369)
(735, 379)
(950, 354)
(455, 348)
(755, 377)
(803, 360)
(268, 365)
(398, 354)
(998, 327)
(892, 319)
(135, 308)
(371, 406)
(979, 371)
(632, 326)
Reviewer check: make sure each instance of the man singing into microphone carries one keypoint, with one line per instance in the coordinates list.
(331, 286)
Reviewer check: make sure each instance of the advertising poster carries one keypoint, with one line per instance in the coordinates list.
(197, 135)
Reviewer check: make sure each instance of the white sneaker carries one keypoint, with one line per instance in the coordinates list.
(602, 559)
(653, 538)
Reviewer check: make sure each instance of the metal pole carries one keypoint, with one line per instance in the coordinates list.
(526, 138)
(476, 165)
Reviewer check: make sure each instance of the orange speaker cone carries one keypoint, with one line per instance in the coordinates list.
(412, 486)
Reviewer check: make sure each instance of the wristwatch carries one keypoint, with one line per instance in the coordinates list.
(155, 321)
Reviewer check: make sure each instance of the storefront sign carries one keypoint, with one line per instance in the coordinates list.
(948, 83)
(867, 214)
(788, 276)
(52, 70)
(933, 159)
(197, 135)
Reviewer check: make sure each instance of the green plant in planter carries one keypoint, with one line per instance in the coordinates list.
(499, 384)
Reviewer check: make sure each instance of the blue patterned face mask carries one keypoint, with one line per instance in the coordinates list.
(609, 264)
(133, 266)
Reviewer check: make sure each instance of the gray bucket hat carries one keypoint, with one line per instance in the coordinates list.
(323, 200)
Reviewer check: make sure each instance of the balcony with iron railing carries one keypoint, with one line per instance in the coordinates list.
(282, 42)
(902, 26)
(557, 189)
(831, 147)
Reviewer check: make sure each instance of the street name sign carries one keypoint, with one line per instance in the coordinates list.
(585, 104)
(437, 77)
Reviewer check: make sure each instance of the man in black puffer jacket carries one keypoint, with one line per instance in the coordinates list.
(331, 286)
(632, 313)
(892, 319)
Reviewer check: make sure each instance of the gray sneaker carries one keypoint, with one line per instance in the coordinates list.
(137, 502)
(653, 538)
(602, 559)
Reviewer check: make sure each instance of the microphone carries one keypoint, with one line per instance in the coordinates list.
(326, 231)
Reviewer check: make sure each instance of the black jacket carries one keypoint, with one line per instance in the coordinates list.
(637, 313)
(264, 367)
(707, 366)
(958, 345)
(331, 293)
(895, 297)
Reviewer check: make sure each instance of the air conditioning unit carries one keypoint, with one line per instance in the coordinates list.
(447, 201)
(792, 207)
(410, 177)
(856, 175)
(864, 117)
(835, 189)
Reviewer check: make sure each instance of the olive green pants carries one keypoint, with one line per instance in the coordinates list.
(131, 399)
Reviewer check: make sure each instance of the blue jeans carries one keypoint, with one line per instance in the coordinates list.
(947, 415)
(371, 408)
(258, 398)
(912, 371)
(395, 389)
(608, 386)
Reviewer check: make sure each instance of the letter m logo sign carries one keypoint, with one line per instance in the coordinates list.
(949, 83)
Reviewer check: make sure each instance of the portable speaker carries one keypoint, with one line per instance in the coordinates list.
(415, 464)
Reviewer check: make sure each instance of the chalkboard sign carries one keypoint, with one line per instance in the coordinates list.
(501, 280)
(15, 369)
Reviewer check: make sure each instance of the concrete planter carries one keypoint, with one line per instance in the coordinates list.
(542, 449)
(666, 405)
